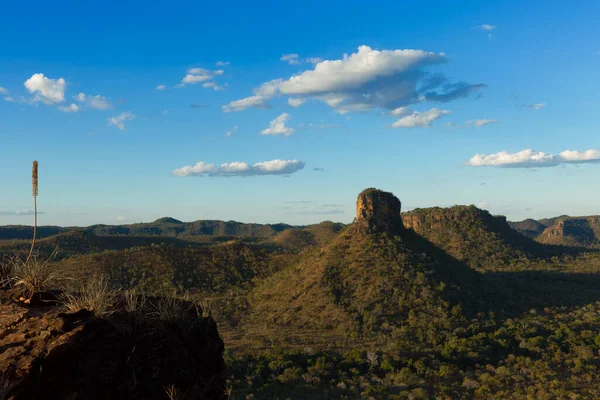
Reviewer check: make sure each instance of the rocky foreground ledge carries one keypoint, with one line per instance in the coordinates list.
(49, 354)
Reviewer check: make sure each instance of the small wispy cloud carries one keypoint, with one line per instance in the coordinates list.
(72, 108)
(318, 169)
(197, 105)
(119, 120)
(96, 102)
(417, 119)
(222, 63)
(161, 87)
(321, 212)
(536, 106)
(19, 213)
(198, 75)
(473, 123)
(291, 59)
(486, 27)
(3, 90)
(232, 131)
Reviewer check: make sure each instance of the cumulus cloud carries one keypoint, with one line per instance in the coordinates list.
(532, 159)
(365, 80)
(277, 126)
(536, 106)
(291, 59)
(46, 90)
(222, 63)
(119, 120)
(197, 75)
(419, 119)
(96, 102)
(273, 167)
(70, 108)
(161, 87)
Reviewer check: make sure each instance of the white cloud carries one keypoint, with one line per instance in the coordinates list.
(20, 213)
(248, 102)
(296, 102)
(121, 218)
(419, 119)
(364, 80)
(70, 108)
(96, 102)
(3, 90)
(46, 90)
(482, 205)
(291, 59)
(530, 159)
(165, 112)
(486, 27)
(213, 86)
(197, 75)
(537, 106)
(478, 123)
(313, 60)
(222, 63)
(473, 123)
(273, 167)
(119, 121)
(161, 87)
(231, 132)
(277, 126)
(9, 99)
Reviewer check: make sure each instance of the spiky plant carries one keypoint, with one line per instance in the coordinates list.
(34, 188)
(95, 294)
(33, 274)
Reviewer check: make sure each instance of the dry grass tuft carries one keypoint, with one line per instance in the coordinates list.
(174, 394)
(134, 300)
(95, 295)
(34, 275)
(170, 308)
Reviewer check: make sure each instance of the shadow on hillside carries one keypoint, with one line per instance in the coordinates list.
(513, 292)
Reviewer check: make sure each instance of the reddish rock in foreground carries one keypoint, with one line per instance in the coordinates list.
(48, 355)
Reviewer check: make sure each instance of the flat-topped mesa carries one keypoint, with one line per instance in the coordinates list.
(378, 211)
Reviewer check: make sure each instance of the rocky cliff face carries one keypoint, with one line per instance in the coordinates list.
(378, 211)
(48, 355)
(573, 231)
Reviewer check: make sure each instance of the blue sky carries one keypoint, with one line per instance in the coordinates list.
(127, 107)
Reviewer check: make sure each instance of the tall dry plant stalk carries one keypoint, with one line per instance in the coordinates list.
(34, 186)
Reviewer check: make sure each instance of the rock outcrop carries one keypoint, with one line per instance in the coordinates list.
(573, 231)
(378, 211)
(48, 355)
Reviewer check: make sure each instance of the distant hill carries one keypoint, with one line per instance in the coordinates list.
(173, 227)
(573, 231)
(529, 227)
(10, 232)
(312, 235)
(563, 230)
(374, 275)
(474, 236)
